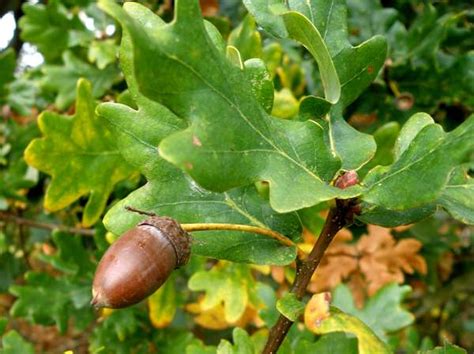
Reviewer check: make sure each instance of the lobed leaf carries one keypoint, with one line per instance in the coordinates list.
(290, 307)
(382, 313)
(80, 154)
(320, 318)
(458, 196)
(170, 192)
(13, 343)
(290, 155)
(46, 300)
(162, 304)
(229, 284)
(424, 149)
(51, 28)
(62, 79)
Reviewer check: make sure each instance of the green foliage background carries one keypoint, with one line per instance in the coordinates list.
(190, 121)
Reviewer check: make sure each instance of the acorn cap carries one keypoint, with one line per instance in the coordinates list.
(178, 238)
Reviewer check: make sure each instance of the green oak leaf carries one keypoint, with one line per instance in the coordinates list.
(301, 29)
(62, 79)
(174, 341)
(353, 147)
(447, 348)
(356, 68)
(11, 267)
(242, 343)
(227, 283)
(425, 36)
(261, 82)
(200, 349)
(385, 137)
(121, 332)
(80, 154)
(422, 150)
(22, 94)
(51, 28)
(170, 192)
(246, 39)
(368, 18)
(391, 218)
(7, 70)
(215, 98)
(458, 196)
(335, 320)
(266, 12)
(290, 307)
(233, 54)
(347, 69)
(312, 107)
(383, 312)
(13, 343)
(285, 104)
(15, 174)
(3, 324)
(334, 342)
(410, 130)
(46, 300)
(102, 53)
(70, 257)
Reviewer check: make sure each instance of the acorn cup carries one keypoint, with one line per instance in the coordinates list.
(139, 262)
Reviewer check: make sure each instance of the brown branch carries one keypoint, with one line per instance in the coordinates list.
(41, 225)
(337, 218)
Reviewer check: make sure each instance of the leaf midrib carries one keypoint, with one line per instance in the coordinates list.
(234, 106)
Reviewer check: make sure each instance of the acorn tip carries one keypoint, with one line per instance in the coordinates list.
(96, 302)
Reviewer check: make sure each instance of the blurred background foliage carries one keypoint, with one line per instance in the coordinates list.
(421, 275)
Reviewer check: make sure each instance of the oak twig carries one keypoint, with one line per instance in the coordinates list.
(46, 226)
(337, 218)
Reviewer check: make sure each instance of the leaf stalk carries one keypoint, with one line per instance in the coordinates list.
(245, 228)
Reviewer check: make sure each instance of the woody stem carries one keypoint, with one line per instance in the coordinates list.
(337, 218)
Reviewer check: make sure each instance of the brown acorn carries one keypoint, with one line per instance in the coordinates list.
(139, 262)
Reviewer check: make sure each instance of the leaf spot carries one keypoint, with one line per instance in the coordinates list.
(196, 141)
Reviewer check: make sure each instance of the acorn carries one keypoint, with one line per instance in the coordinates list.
(139, 262)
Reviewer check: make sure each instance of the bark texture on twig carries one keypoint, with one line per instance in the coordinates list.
(337, 218)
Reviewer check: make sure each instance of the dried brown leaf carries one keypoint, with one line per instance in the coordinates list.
(374, 261)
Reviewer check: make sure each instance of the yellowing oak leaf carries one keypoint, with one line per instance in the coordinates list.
(229, 284)
(214, 318)
(320, 318)
(162, 304)
(81, 156)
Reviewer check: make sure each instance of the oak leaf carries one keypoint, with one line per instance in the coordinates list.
(214, 318)
(374, 261)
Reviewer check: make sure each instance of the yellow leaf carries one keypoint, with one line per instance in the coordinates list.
(320, 318)
(162, 305)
